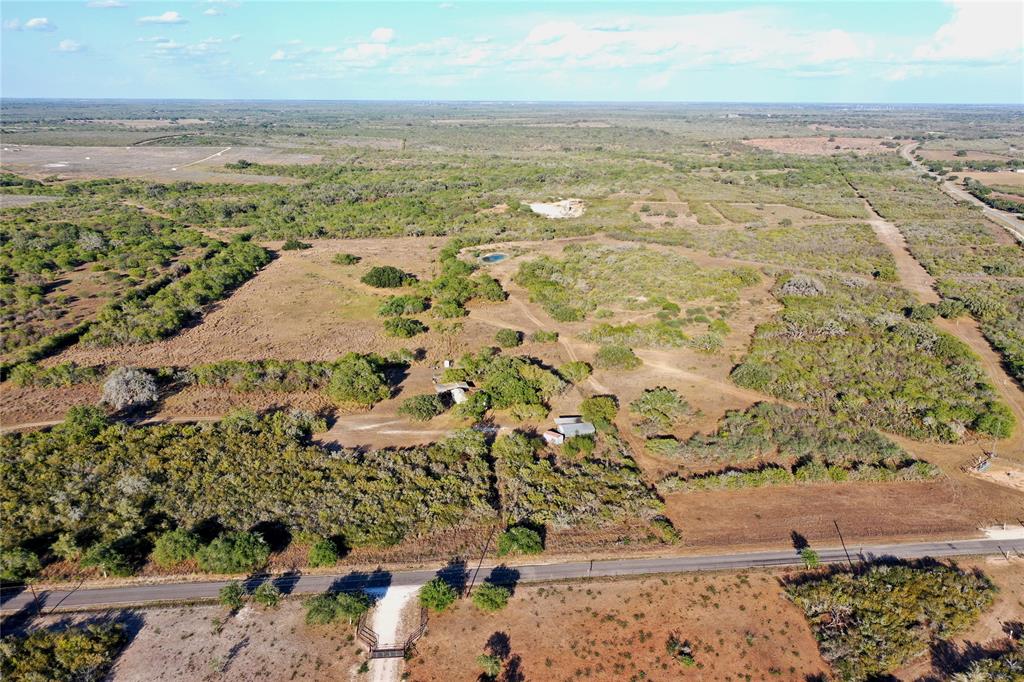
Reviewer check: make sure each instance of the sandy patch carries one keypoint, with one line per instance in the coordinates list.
(566, 208)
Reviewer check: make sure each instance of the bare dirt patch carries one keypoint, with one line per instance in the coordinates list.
(1012, 179)
(950, 155)
(819, 145)
(739, 625)
(146, 162)
(1003, 472)
(188, 644)
(29, 404)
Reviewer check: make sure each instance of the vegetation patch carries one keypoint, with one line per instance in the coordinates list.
(845, 345)
(240, 471)
(76, 653)
(589, 277)
(604, 487)
(143, 320)
(871, 621)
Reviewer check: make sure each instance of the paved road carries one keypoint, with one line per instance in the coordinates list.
(13, 600)
(1008, 221)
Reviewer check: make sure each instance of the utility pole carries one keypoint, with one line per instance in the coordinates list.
(483, 554)
(843, 542)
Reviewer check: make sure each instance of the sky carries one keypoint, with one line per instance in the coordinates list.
(925, 51)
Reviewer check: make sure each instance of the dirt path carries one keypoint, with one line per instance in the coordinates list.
(912, 274)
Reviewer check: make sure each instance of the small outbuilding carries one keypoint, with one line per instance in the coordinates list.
(568, 426)
(552, 437)
(457, 389)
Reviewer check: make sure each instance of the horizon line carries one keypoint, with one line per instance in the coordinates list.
(510, 101)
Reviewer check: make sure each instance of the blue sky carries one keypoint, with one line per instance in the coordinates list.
(924, 51)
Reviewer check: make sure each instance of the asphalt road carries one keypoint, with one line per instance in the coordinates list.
(14, 600)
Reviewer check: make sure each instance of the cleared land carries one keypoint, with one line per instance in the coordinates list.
(167, 164)
(209, 642)
(819, 145)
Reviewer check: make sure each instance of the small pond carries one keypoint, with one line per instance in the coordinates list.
(493, 257)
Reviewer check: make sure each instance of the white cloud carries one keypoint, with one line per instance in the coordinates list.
(12, 25)
(446, 5)
(70, 46)
(105, 4)
(903, 72)
(165, 18)
(278, 56)
(382, 35)
(165, 48)
(761, 37)
(40, 24)
(978, 31)
(363, 54)
(213, 12)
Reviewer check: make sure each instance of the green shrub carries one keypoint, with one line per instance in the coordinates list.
(616, 357)
(403, 327)
(267, 595)
(519, 540)
(421, 407)
(950, 308)
(232, 595)
(17, 564)
(352, 605)
(508, 338)
(322, 609)
(175, 546)
(437, 595)
(490, 598)
(659, 409)
(358, 379)
(541, 336)
(395, 306)
(922, 313)
(385, 277)
(997, 422)
(491, 665)
(575, 372)
(707, 343)
(292, 244)
(345, 259)
(600, 411)
(110, 558)
(234, 553)
(579, 446)
(324, 552)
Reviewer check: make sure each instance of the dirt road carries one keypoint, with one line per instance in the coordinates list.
(914, 278)
(1007, 221)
